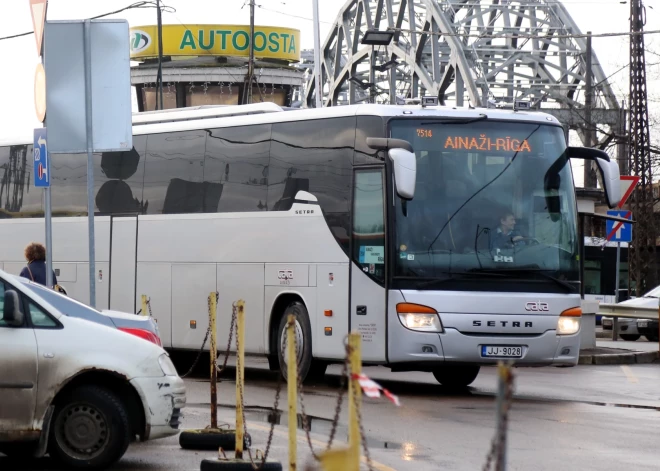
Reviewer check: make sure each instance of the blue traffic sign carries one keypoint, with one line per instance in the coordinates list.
(41, 160)
(618, 231)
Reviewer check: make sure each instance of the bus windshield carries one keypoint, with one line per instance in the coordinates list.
(491, 199)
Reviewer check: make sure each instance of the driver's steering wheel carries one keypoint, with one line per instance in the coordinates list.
(530, 241)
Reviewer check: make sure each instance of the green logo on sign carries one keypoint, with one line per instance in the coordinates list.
(139, 41)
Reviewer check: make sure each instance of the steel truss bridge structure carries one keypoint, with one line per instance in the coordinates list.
(480, 53)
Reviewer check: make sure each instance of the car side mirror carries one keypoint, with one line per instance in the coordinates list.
(608, 177)
(11, 312)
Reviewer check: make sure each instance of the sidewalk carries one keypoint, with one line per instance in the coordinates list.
(609, 352)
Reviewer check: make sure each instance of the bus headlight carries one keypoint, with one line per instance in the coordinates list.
(569, 321)
(419, 318)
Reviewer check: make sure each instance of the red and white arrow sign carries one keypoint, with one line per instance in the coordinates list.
(628, 182)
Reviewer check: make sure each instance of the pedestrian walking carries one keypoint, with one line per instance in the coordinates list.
(35, 254)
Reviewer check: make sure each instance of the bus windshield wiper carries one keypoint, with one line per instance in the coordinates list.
(524, 270)
(425, 282)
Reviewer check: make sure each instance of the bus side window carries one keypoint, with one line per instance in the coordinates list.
(369, 223)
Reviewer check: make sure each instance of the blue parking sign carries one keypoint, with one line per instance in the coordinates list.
(41, 160)
(621, 232)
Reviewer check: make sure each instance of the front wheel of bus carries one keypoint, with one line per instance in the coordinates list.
(456, 376)
(302, 331)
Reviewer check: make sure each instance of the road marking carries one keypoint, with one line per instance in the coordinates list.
(301, 439)
(629, 374)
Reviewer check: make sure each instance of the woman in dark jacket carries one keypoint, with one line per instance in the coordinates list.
(35, 254)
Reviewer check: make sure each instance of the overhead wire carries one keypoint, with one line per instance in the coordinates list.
(141, 4)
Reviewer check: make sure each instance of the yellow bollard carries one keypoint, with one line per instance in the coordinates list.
(144, 305)
(335, 460)
(240, 367)
(292, 383)
(354, 401)
(213, 353)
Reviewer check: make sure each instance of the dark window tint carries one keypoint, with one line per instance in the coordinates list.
(173, 180)
(369, 224)
(236, 169)
(18, 196)
(367, 126)
(314, 156)
(120, 175)
(69, 183)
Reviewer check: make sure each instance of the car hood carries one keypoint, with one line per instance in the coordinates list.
(641, 302)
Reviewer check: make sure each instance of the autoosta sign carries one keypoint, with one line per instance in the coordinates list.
(216, 40)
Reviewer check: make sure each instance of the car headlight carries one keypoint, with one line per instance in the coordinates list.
(419, 318)
(167, 366)
(569, 321)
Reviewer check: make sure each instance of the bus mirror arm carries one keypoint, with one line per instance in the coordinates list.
(404, 164)
(609, 177)
(383, 143)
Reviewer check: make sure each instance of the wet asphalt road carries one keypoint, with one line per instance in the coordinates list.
(582, 418)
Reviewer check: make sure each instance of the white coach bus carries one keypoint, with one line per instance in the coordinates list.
(392, 221)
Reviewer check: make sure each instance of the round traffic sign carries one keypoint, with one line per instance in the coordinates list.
(40, 92)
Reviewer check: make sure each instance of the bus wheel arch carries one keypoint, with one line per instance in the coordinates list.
(285, 304)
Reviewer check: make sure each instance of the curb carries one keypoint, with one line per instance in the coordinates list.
(619, 358)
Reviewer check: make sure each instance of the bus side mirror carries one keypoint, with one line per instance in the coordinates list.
(608, 177)
(405, 172)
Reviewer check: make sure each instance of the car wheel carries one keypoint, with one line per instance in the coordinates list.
(90, 429)
(630, 337)
(303, 333)
(456, 376)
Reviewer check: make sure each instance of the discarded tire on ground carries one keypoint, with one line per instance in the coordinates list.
(238, 465)
(210, 439)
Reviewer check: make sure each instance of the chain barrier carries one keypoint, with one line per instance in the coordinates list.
(264, 457)
(340, 397)
(357, 392)
(497, 448)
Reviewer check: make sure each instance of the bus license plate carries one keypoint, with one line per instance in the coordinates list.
(500, 351)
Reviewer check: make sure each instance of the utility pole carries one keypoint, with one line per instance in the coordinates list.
(589, 134)
(250, 74)
(642, 252)
(317, 57)
(159, 78)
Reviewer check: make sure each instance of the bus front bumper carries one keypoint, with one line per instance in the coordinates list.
(420, 351)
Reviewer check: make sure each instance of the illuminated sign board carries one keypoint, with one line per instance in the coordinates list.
(216, 40)
(487, 143)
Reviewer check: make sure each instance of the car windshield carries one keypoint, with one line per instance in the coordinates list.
(490, 197)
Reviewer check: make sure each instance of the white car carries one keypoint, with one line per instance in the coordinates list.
(78, 390)
(633, 329)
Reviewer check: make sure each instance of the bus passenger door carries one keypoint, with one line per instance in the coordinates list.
(368, 294)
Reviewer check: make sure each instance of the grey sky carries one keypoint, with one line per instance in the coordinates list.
(19, 57)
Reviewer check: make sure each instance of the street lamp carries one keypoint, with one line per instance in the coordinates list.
(373, 37)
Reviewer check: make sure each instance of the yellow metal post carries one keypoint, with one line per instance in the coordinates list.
(240, 367)
(335, 460)
(213, 352)
(144, 305)
(354, 401)
(292, 382)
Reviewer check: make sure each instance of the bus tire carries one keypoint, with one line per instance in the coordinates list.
(303, 333)
(456, 376)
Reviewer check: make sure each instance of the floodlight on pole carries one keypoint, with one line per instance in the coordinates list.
(373, 38)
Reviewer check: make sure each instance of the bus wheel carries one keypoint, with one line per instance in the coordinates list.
(303, 334)
(456, 376)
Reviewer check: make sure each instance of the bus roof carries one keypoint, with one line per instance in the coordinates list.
(206, 117)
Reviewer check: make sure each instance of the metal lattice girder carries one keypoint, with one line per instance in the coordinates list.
(487, 53)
